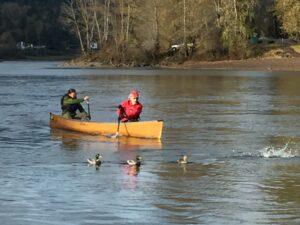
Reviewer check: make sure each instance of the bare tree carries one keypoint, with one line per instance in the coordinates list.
(96, 8)
(82, 16)
(71, 20)
(233, 24)
(106, 19)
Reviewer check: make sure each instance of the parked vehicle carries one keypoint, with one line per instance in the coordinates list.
(176, 47)
(266, 40)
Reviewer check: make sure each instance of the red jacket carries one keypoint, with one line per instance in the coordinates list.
(127, 111)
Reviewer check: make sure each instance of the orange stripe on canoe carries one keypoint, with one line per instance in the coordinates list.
(142, 129)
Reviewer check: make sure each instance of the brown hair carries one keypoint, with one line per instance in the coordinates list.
(71, 90)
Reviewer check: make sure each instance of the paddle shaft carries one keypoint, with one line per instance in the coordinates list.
(89, 111)
(117, 133)
(119, 121)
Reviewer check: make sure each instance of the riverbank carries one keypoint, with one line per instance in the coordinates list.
(257, 64)
(261, 64)
(272, 58)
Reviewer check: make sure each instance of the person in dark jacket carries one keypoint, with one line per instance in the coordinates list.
(71, 107)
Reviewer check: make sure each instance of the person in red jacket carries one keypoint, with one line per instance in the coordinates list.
(130, 109)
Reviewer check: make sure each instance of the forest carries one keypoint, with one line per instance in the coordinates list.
(37, 25)
(142, 32)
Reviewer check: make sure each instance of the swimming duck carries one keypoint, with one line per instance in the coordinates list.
(183, 159)
(96, 161)
(136, 162)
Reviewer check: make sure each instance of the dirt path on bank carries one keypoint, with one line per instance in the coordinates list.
(264, 64)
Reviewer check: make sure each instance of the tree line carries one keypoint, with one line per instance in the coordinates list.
(143, 31)
(32, 22)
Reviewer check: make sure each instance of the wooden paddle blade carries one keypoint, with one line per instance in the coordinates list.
(115, 135)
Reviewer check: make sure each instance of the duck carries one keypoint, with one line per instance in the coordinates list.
(183, 159)
(136, 162)
(96, 161)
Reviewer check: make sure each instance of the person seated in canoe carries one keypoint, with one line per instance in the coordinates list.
(71, 107)
(130, 109)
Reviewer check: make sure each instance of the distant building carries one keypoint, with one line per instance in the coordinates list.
(23, 46)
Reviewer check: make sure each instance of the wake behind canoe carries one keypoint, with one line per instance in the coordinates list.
(142, 129)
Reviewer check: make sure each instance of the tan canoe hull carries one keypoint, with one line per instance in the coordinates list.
(144, 129)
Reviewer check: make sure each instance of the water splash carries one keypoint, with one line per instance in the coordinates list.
(273, 152)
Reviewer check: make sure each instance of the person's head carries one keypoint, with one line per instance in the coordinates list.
(72, 93)
(98, 156)
(134, 96)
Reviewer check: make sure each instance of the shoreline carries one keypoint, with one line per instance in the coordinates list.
(257, 64)
(291, 64)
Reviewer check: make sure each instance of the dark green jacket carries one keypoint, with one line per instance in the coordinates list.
(71, 105)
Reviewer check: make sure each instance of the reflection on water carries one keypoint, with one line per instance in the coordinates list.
(189, 191)
(130, 170)
(240, 130)
(127, 144)
(73, 141)
(282, 187)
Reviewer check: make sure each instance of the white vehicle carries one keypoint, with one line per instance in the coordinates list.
(178, 46)
(264, 39)
(93, 45)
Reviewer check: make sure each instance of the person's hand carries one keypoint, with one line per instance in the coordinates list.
(86, 98)
(124, 120)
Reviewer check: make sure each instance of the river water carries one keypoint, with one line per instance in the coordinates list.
(240, 130)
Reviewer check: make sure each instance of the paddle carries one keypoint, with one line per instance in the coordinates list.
(89, 111)
(119, 121)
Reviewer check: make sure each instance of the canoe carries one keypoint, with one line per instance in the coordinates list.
(141, 129)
